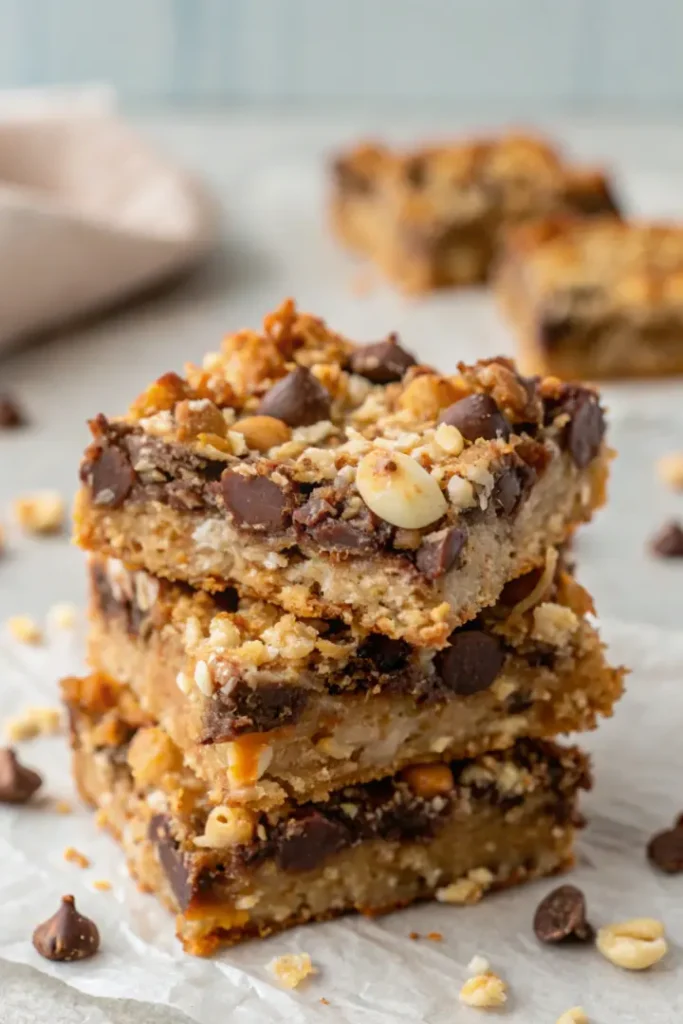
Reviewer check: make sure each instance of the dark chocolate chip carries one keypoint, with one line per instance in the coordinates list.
(561, 915)
(112, 478)
(668, 541)
(308, 841)
(477, 416)
(471, 661)
(17, 783)
(245, 709)
(385, 653)
(255, 500)
(10, 414)
(171, 860)
(585, 430)
(383, 362)
(508, 490)
(343, 535)
(553, 329)
(518, 590)
(440, 552)
(67, 935)
(299, 399)
(665, 850)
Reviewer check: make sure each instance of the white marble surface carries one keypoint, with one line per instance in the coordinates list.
(267, 172)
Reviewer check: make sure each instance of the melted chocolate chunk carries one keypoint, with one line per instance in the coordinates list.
(308, 841)
(171, 860)
(67, 935)
(668, 541)
(562, 915)
(440, 552)
(17, 783)
(383, 362)
(299, 399)
(585, 429)
(317, 520)
(245, 709)
(255, 501)
(517, 590)
(386, 654)
(477, 416)
(111, 478)
(510, 489)
(471, 661)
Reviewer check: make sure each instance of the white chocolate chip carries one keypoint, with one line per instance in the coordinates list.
(449, 438)
(399, 490)
(461, 493)
(634, 945)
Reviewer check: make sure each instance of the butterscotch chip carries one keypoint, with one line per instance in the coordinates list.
(634, 945)
(42, 512)
(292, 968)
(74, 856)
(24, 629)
(428, 780)
(484, 991)
(102, 885)
(33, 722)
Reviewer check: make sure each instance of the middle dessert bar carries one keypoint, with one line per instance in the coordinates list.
(267, 707)
(344, 481)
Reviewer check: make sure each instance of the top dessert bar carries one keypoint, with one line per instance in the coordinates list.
(344, 481)
(435, 216)
(596, 298)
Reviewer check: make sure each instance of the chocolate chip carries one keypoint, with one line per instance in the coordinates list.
(111, 478)
(553, 330)
(383, 362)
(477, 416)
(585, 428)
(246, 709)
(67, 935)
(510, 488)
(471, 661)
(255, 500)
(386, 654)
(171, 860)
(10, 414)
(17, 783)
(668, 541)
(415, 171)
(665, 850)
(440, 552)
(299, 399)
(343, 535)
(308, 841)
(517, 590)
(562, 915)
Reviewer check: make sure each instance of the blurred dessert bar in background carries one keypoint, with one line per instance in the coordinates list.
(435, 216)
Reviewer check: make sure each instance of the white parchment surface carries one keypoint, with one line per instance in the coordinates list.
(370, 971)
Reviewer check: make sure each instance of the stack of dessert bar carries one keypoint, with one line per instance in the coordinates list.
(332, 630)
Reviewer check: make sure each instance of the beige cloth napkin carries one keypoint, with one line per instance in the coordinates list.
(89, 213)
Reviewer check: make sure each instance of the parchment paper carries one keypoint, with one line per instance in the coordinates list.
(370, 971)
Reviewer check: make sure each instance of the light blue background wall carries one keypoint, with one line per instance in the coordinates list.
(537, 54)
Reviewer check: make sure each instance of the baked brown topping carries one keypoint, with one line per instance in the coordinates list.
(477, 416)
(17, 783)
(67, 935)
(383, 362)
(561, 915)
(299, 400)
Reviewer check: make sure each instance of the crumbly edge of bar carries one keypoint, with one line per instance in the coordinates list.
(204, 927)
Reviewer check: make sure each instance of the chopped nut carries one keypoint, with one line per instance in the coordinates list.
(63, 807)
(73, 856)
(670, 470)
(428, 780)
(435, 936)
(576, 1015)
(479, 965)
(399, 490)
(184, 683)
(425, 396)
(33, 722)
(198, 417)
(63, 615)
(554, 624)
(331, 747)
(292, 969)
(101, 884)
(226, 826)
(485, 991)
(634, 945)
(42, 512)
(449, 438)
(151, 755)
(466, 890)
(263, 432)
(461, 493)
(202, 677)
(24, 629)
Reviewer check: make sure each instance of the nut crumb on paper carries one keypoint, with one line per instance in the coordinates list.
(24, 629)
(74, 856)
(292, 968)
(42, 512)
(33, 722)
(484, 991)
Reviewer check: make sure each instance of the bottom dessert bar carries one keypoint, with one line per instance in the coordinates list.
(450, 831)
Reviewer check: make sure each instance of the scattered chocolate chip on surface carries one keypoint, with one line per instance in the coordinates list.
(67, 935)
(11, 415)
(561, 915)
(665, 849)
(17, 783)
(383, 362)
(477, 416)
(668, 541)
(299, 400)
